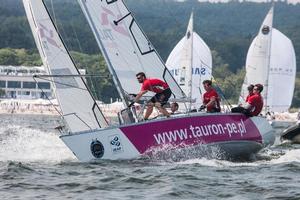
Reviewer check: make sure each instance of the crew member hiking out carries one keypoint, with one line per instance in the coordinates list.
(253, 105)
(162, 90)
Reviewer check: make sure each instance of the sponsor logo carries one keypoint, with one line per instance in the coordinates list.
(97, 148)
(115, 144)
(265, 30)
(195, 71)
(48, 35)
(106, 19)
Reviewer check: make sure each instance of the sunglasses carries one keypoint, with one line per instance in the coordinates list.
(139, 77)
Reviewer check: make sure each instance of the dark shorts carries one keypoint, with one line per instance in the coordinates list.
(162, 97)
(213, 110)
(241, 110)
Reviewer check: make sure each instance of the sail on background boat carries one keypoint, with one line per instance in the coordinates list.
(79, 108)
(190, 62)
(282, 73)
(271, 61)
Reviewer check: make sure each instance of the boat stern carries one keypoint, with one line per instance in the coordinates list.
(265, 129)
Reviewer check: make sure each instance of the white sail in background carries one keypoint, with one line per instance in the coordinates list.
(79, 108)
(271, 61)
(190, 62)
(124, 46)
(282, 73)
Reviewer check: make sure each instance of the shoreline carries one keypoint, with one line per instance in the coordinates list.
(48, 107)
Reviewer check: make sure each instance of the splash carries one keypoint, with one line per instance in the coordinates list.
(31, 145)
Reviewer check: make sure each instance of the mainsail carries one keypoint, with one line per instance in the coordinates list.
(190, 62)
(79, 108)
(124, 46)
(271, 61)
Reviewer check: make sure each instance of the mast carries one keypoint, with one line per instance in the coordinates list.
(190, 32)
(269, 56)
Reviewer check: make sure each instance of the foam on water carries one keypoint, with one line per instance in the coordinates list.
(287, 156)
(31, 145)
(292, 155)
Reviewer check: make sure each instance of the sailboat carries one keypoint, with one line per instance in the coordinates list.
(271, 61)
(127, 51)
(190, 63)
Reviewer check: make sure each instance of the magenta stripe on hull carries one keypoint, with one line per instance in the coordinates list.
(194, 130)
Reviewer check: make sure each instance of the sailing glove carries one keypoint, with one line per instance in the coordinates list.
(202, 107)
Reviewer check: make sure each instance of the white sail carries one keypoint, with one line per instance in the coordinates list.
(190, 62)
(79, 109)
(271, 61)
(282, 73)
(125, 47)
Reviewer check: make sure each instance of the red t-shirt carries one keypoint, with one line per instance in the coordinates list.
(154, 85)
(249, 95)
(256, 101)
(206, 98)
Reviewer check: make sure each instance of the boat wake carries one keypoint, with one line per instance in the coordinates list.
(271, 156)
(31, 145)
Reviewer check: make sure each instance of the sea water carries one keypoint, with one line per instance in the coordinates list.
(35, 164)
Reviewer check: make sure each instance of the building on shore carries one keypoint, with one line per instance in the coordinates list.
(17, 82)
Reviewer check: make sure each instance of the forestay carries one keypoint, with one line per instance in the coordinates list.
(271, 61)
(190, 62)
(125, 47)
(77, 104)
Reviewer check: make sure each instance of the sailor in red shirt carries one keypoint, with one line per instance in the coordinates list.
(254, 103)
(211, 99)
(161, 97)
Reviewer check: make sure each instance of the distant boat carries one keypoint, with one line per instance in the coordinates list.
(271, 61)
(190, 63)
(292, 133)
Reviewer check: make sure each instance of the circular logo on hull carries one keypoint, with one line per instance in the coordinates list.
(97, 149)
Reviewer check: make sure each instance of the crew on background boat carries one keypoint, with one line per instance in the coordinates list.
(211, 100)
(254, 104)
(162, 90)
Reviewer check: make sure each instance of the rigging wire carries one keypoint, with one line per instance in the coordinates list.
(61, 83)
(91, 78)
(222, 93)
(41, 77)
(54, 17)
(47, 97)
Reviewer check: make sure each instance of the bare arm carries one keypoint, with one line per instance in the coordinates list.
(139, 95)
(211, 102)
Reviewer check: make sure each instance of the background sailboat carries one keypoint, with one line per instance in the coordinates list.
(190, 62)
(271, 61)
